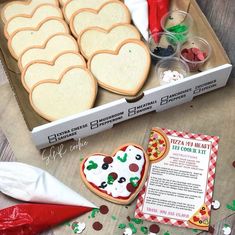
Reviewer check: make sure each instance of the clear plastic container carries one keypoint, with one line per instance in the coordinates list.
(179, 23)
(203, 46)
(172, 65)
(162, 45)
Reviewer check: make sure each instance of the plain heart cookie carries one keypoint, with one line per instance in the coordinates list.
(25, 38)
(40, 14)
(74, 5)
(73, 93)
(119, 177)
(109, 14)
(95, 39)
(124, 70)
(53, 47)
(42, 70)
(15, 8)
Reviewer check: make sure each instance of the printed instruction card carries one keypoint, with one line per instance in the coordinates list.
(180, 184)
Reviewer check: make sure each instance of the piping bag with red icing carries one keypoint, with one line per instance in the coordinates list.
(53, 204)
(157, 8)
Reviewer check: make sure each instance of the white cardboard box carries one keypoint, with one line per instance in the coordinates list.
(104, 117)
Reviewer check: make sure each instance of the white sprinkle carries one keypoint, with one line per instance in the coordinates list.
(227, 230)
(171, 76)
(215, 205)
(80, 227)
(127, 231)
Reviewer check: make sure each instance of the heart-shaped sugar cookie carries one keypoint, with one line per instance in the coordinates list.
(109, 14)
(74, 5)
(117, 178)
(42, 70)
(15, 8)
(29, 37)
(39, 14)
(73, 93)
(53, 47)
(123, 71)
(96, 39)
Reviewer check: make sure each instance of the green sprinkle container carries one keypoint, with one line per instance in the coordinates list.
(178, 23)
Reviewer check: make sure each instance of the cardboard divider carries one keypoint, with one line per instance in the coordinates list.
(201, 28)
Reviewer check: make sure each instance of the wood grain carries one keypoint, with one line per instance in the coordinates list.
(2, 75)
(6, 153)
(221, 15)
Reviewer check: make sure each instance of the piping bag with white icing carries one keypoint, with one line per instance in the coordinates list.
(139, 15)
(31, 184)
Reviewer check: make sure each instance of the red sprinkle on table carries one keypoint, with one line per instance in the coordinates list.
(154, 228)
(97, 226)
(104, 210)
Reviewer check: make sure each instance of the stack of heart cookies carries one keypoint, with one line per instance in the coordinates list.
(53, 71)
(116, 56)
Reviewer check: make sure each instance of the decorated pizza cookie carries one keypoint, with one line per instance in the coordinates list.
(117, 178)
(201, 218)
(158, 146)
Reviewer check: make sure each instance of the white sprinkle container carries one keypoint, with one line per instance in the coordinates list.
(171, 70)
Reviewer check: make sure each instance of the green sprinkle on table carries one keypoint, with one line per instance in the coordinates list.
(144, 230)
(121, 226)
(137, 221)
(133, 228)
(94, 212)
(232, 206)
(167, 233)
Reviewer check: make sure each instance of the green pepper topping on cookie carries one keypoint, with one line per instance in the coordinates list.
(134, 181)
(92, 165)
(122, 159)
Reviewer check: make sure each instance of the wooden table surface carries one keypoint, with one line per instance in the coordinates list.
(212, 113)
